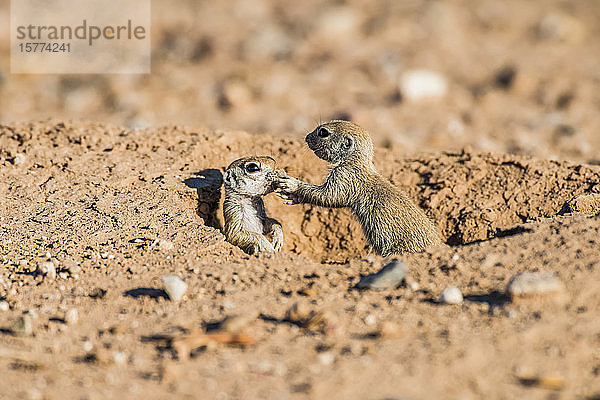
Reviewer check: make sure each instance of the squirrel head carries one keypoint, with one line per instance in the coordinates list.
(251, 176)
(338, 141)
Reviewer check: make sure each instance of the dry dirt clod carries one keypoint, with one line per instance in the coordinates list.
(534, 284)
(584, 204)
(174, 287)
(389, 277)
(23, 326)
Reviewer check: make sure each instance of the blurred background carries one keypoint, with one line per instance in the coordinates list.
(505, 76)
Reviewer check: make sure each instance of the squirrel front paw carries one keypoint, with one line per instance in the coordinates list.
(288, 186)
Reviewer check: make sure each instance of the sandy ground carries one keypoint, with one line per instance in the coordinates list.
(506, 162)
(116, 209)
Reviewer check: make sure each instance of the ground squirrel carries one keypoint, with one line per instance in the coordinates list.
(391, 222)
(246, 180)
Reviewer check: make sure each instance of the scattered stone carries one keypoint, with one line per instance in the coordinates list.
(326, 358)
(411, 284)
(423, 84)
(532, 284)
(47, 269)
(19, 159)
(370, 319)
(451, 295)
(165, 245)
(389, 277)
(119, 357)
(4, 306)
(71, 316)
(23, 326)
(174, 287)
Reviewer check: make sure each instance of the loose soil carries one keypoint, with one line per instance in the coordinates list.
(105, 203)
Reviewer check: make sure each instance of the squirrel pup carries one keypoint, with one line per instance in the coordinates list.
(391, 222)
(246, 180)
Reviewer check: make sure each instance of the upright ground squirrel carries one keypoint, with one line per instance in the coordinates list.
(391, 222)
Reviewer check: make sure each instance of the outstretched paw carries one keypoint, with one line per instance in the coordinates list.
(288, 184)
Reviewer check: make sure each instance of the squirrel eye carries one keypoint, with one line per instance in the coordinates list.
(322, 132)
(252, 167)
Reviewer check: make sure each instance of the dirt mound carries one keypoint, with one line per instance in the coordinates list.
(471, 196)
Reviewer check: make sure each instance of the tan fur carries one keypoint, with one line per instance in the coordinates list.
(391, 222)
(244, 214)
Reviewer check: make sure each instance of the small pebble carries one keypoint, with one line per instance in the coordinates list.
(119, 357)
(47, 269)
(389, 277)
(4, 306)
(326, 358)
(174, 287)
(87, 346)
(370, 319)
(423, 84)
(451, 295)
(527, 284)
(165, 245)
(71, 316)
(19, 159)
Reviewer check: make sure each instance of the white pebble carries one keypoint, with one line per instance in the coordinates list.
(19, 159)
(71, 316)
(451, 295)
(326, 358)
(174, 287)
(119, 357)
(423, 84)
(370, 319)
(165, 245)
(4, 306)
(47, 269)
